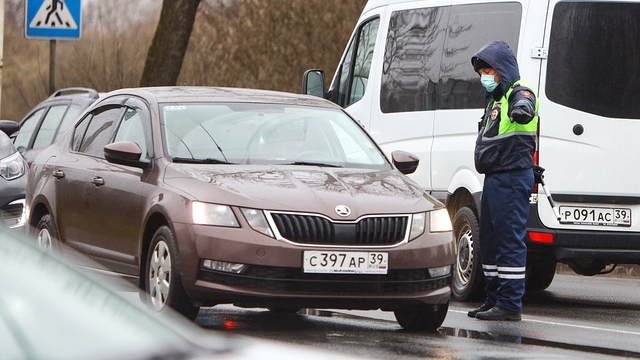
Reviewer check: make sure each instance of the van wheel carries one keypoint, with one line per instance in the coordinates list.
(421, 318)
(468, 281)
(540, 272)
(46, 236)
(163, 284)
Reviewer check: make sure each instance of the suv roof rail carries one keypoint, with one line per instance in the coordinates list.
(76, 90)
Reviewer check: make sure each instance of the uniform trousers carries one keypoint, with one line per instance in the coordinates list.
(503, 252)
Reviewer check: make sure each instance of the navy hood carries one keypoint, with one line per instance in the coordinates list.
(500, 57)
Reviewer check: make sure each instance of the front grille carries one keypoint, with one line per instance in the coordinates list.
(294, 280)
(316, 230)
(12, 214)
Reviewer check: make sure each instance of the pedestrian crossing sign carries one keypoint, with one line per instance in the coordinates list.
(53, 19)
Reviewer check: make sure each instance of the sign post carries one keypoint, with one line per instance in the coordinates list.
(53, 20)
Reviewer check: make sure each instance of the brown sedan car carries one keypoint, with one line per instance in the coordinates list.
(205, 196)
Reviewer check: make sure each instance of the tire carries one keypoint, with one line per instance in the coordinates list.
(540, 272)
(424, 318)
(162, 282)
(468, 280)
(46, 236)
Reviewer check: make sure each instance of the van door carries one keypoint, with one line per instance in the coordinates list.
(408, 71)
(590, 118)
(460, 96)
(351, 87)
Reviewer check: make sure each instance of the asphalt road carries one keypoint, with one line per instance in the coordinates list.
(577, 317)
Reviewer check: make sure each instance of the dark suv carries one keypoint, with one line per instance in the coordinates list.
(47, 121)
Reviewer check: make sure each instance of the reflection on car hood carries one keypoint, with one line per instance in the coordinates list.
(300, 188)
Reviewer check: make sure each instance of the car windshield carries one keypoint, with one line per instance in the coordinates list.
(240, 133)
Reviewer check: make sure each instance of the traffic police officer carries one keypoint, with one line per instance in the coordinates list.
(507, 139)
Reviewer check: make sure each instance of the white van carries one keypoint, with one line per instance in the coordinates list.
(406, 75)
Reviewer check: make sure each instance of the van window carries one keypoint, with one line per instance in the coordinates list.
(593, 58)
(468, 30)
(354, 71)
(427, 59)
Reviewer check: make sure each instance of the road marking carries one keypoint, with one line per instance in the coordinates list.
(524, 318)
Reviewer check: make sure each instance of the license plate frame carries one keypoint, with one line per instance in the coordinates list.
(595, 216)
(345, 262)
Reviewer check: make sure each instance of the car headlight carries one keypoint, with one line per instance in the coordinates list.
(417, 225)
(13, 166)
(257, 221)
(213, 214)
(439, 221)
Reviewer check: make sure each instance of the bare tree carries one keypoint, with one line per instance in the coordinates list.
(170, 42)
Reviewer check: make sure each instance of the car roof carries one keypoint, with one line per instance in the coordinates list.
(223, 94)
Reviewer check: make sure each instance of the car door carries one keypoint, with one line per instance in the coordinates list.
(118, 194)
(75, 203)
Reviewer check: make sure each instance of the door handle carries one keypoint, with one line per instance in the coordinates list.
(97, 181)
(58, 174)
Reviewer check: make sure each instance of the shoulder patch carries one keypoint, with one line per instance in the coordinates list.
(526, 93)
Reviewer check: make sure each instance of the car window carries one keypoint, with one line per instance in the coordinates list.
(27, 127)
(47, 131)
(99, 131)
(593, 58)
(354, 77)
(131, 129)
(426, 59)
(69, 118)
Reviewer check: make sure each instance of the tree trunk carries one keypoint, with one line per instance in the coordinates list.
(170, 42)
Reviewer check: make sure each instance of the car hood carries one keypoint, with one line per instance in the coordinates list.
(302, 188)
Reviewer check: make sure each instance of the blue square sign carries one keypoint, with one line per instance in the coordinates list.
(53, 19)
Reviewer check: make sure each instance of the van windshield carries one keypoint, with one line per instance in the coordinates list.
(594, 56)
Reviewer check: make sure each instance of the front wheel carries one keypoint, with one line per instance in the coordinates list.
(46, 236)
(468, 281)
(422, 318)
(163, 284)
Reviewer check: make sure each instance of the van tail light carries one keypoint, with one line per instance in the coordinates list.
(541, 237)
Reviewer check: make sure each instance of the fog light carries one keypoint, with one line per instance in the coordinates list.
(224, 266)
(440, 271)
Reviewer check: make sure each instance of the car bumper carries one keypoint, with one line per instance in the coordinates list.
(275, 277)
(611, 246)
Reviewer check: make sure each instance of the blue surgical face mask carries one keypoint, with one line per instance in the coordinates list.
(488, 82)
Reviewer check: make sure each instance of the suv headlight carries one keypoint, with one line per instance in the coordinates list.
(213, 214)
(13, 166)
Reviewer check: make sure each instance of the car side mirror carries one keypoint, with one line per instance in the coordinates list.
(9, 127)
(313, 83)
(124, 153)
(405, 162)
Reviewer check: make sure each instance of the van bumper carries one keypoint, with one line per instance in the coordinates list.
(610, 246)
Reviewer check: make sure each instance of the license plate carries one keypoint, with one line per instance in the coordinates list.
(360, 262)
(579, 215)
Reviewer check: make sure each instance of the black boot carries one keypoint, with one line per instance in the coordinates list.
(498, 314)
(482, 308)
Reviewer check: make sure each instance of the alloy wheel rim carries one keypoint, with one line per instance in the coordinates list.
(160, 275)
(44, 240)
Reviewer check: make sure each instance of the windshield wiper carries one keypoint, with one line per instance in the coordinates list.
(200, 161)
(312, 163)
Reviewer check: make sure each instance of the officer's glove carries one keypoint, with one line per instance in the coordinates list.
(520, 116)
